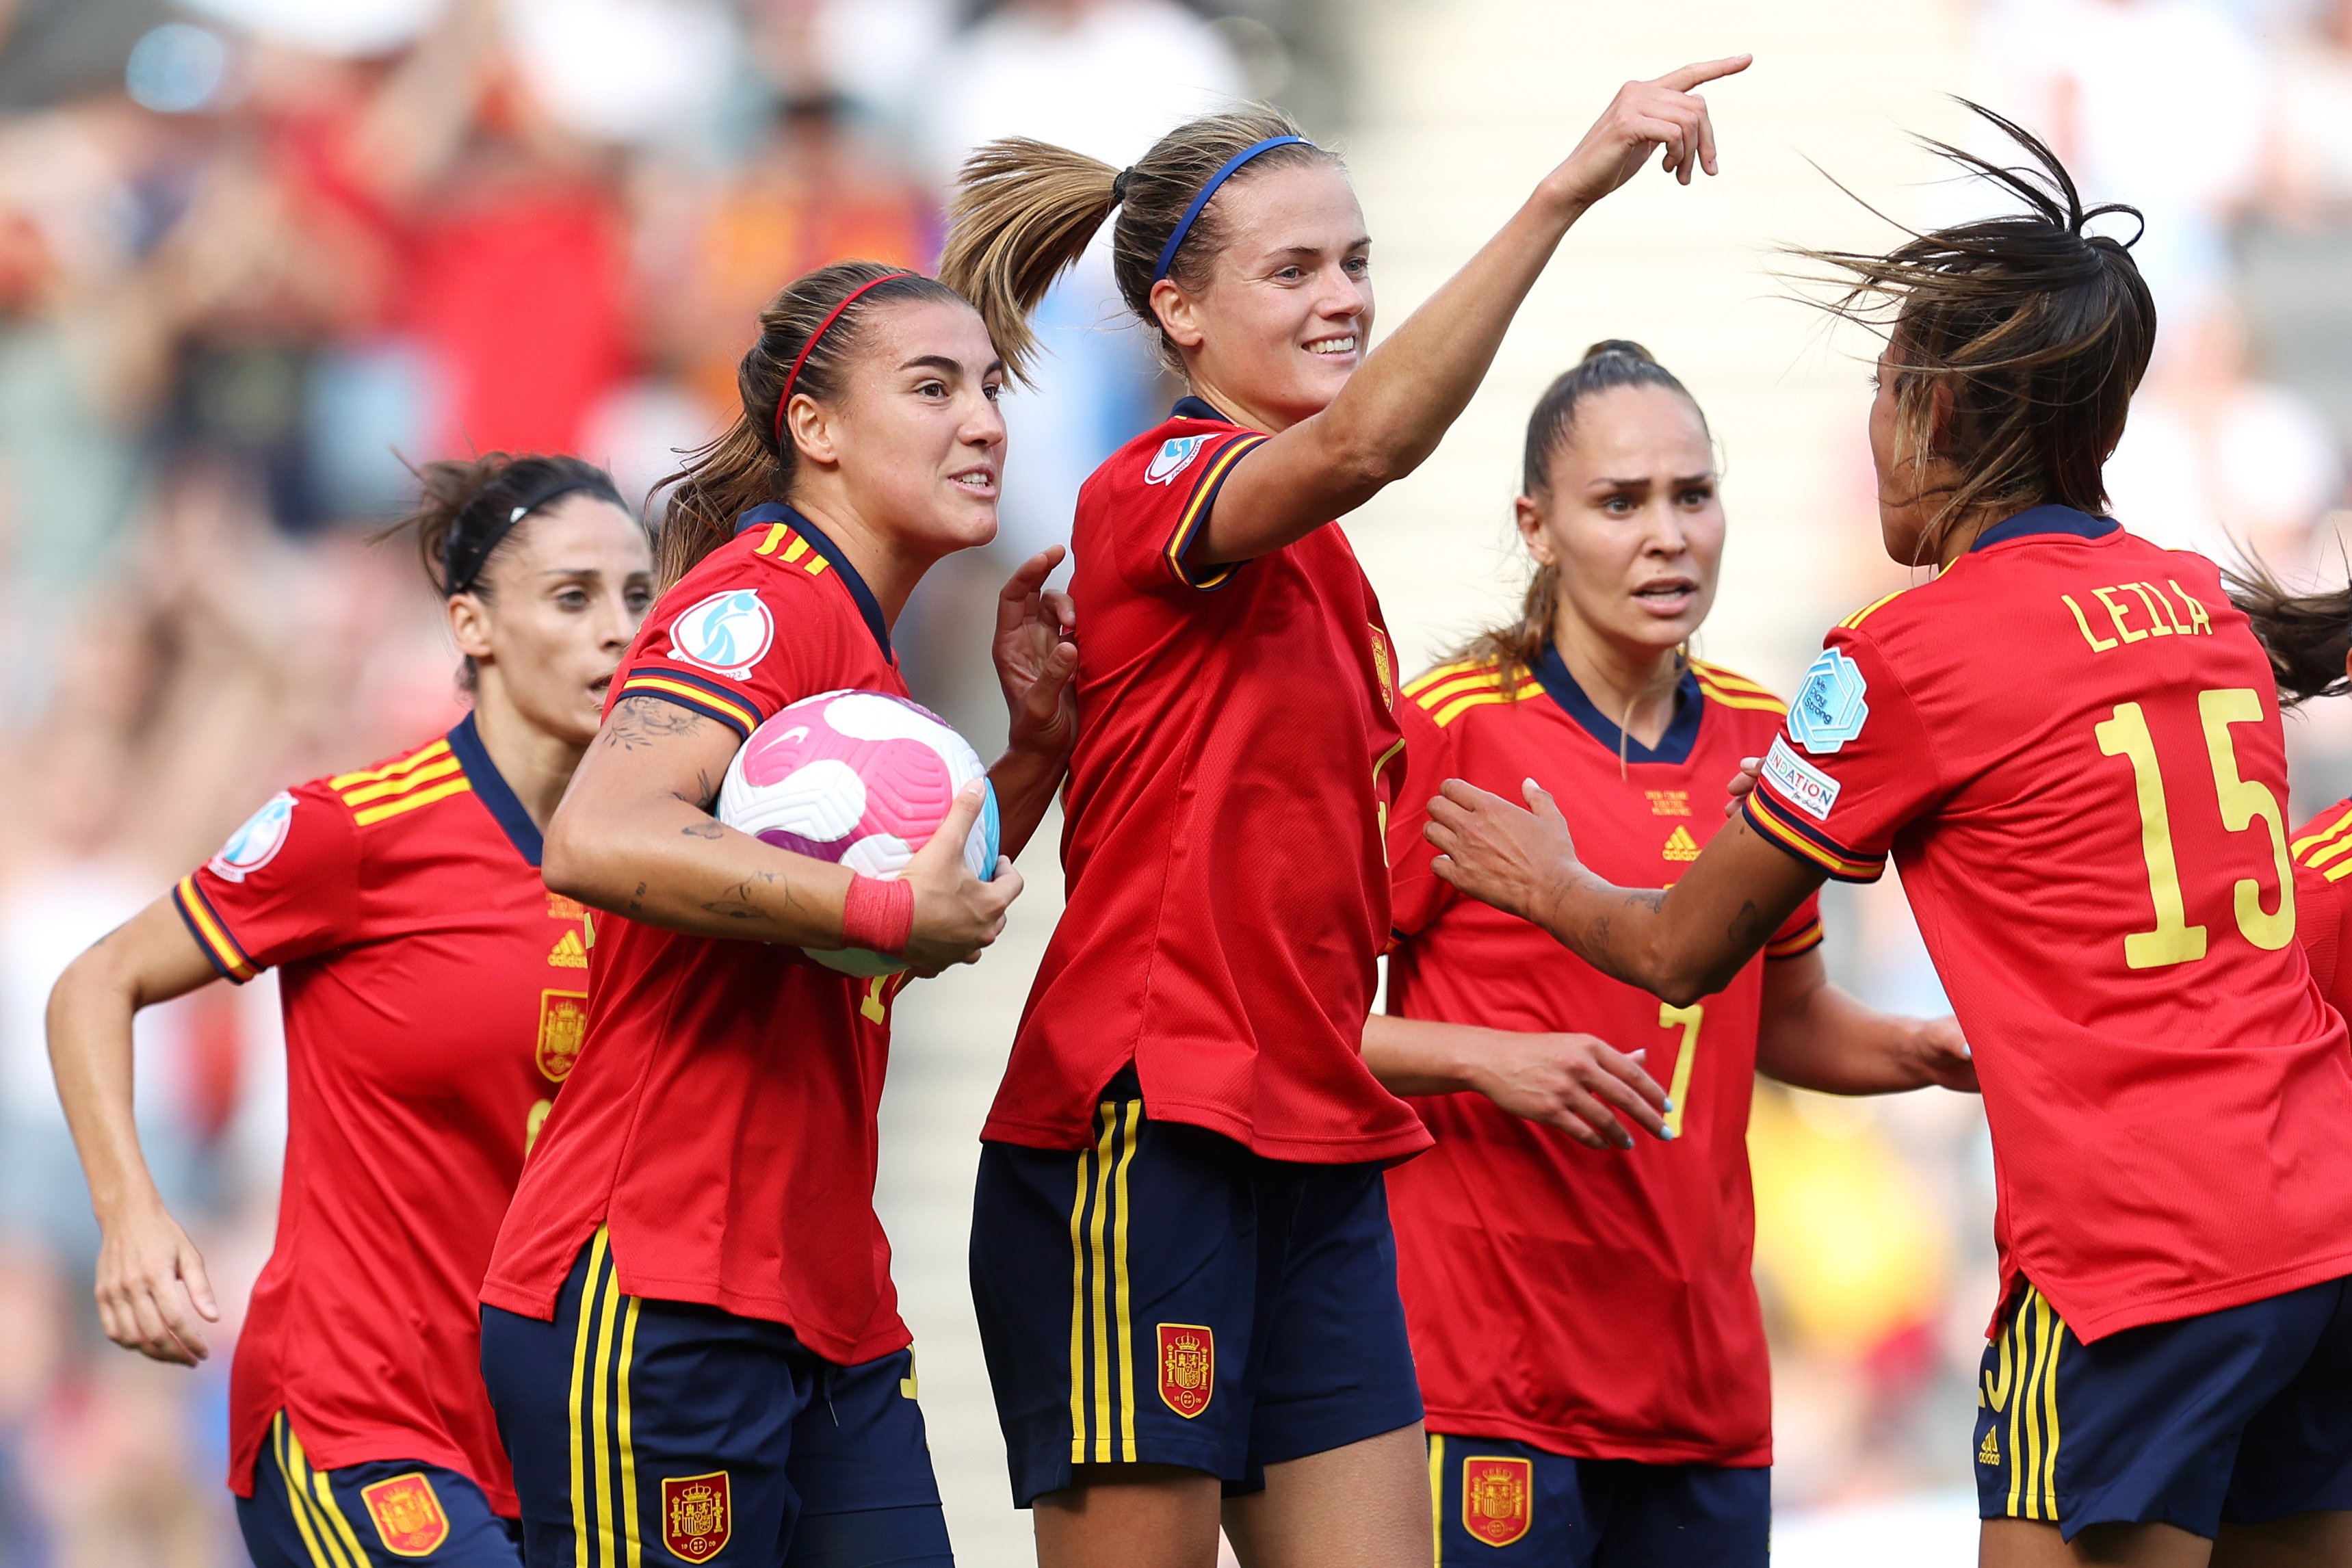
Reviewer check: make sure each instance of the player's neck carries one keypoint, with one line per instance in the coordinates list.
(1634, 686)
(888, 572)
(536, 765)
(1243, 410)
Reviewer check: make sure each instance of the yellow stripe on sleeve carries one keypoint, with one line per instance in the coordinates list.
(414, 779)
(1871, 609)
(368, 816)
(1436, 695)
(217, 942)
(1428, 677)
(692, 694)
(390, 770)
(2330, 831)
(1762, 702)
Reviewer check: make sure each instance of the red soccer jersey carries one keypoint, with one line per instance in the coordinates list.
(1594, 1304)
(721, 1120)
(2322, 848)
(2070, 743)
(1227, 892)
(434, 994)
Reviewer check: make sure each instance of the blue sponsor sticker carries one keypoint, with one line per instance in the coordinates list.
(1829, 707)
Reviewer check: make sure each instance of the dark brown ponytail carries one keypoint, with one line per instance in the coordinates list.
(745, 466)
(2307, 636)
(1606, 365)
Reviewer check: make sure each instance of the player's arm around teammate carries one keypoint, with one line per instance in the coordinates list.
(2070, 741)
(429, 1018)
(1186, 1130)
(1641, 1432)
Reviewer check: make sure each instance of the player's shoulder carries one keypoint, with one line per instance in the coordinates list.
(1729, 689)
(2324, 845)
(1173, 456)
(401, 786)
(1447, 693)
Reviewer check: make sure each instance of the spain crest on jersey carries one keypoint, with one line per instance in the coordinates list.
(1188, 1367)
(563, 1024)
(1384, 666)
(407, 1514)
(697, 1515)
(1498, 1498)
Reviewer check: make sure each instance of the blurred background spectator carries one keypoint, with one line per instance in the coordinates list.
(257, 255)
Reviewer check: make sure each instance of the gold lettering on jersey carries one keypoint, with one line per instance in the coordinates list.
(1680, 844)
(2155, 608)
(1668, 802)
(569, 953)
(560, 908)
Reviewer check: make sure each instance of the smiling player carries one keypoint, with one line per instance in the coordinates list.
(434, 992)
(1641, 1431)
(2069, 741)
(1186, 1131)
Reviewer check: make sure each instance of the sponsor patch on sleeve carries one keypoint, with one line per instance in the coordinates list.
(1799, 782)
(1175, 456)
(1829, 708)
(255, 843)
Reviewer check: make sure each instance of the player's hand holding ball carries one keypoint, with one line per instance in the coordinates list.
(1667, 113)
(1498, 853)
(957, 914)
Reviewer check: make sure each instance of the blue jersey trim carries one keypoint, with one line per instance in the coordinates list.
(1190, 407)
(2045, 520)
(491, 788)
(1672, 747)
(867, 604)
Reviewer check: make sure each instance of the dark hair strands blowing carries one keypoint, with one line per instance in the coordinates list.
(2032, 332)
(1024, 211)
(746, 464)
(1606, 365)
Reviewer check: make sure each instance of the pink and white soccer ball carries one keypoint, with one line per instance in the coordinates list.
(862, 779)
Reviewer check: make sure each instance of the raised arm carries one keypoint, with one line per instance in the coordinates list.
(152, 1288)
(634, 836)
(1679, 944)
(1399, 404)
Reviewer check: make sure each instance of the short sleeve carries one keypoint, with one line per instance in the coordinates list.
(1158, 499)
(1850, 766)
(1800, 934)
(284, 887)
(1416, 896)
(713, 646)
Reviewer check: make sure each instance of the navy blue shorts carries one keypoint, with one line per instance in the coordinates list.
(668, 1431)
(1167, 1297)
(2237, 1416)
(1506, 1503)
(371, 1515)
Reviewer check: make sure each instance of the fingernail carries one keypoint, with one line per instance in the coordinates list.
(1672, 1135)
(1669, 1103)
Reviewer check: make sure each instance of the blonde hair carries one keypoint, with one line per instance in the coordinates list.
(1024, 212)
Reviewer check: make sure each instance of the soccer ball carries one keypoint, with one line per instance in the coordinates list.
(862, 779)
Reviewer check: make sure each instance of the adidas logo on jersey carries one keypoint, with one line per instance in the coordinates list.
(1988, 1451)
(1680, 845)
(569, 951)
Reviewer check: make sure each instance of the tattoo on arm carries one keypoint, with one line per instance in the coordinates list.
(739, 904)
(640, 721)
(1747, 928)
(703, 830)
(637, 899)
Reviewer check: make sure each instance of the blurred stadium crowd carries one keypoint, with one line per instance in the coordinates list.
(254, 253)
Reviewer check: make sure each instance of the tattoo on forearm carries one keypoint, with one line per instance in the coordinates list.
(1650, 899)
(637, 899)
(1747, 928)
(739, 904)
(640, 721)
(703, 830)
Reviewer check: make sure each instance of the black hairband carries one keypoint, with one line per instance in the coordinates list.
(1119, 186)
(460, 568)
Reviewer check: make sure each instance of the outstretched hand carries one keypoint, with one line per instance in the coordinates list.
(1667, 113)
(1036, 653)
(1497, 853)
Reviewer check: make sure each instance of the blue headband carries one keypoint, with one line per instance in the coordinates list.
(1184, 224)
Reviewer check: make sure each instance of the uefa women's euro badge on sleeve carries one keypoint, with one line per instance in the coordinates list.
(862, 779)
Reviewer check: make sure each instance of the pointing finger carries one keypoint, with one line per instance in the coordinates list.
(1691, 76)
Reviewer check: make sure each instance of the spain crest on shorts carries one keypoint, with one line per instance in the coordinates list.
(697, 1515)
(407, 1514)
(1188, 1367)
(1498, 1498)
(563, 1024)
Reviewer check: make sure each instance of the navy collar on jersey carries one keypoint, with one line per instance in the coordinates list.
(2045, 520)
(1197, 409)
(1673, 746)
(867, 604)
(490, 787)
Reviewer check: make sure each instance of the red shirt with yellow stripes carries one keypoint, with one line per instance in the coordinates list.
(2322, 848)
(1227, 897)
(1630, 1271)
(2069, 740)
(721, 1124)
(434, 994)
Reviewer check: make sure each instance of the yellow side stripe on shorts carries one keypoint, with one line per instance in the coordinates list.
(578, 1376)
(1101, 1299)
(295, 1504)
(1437, 1499)
(2035, 1334)
(1124, 1298)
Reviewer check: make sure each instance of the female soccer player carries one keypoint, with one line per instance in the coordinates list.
(690, 1332)
(434, 992)
(1642, 1433)
(2069, 743)
(1186, 1131)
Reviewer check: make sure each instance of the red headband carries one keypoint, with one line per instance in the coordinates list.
(785, 399)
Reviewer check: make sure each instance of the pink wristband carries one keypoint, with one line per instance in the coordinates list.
(877, 915)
